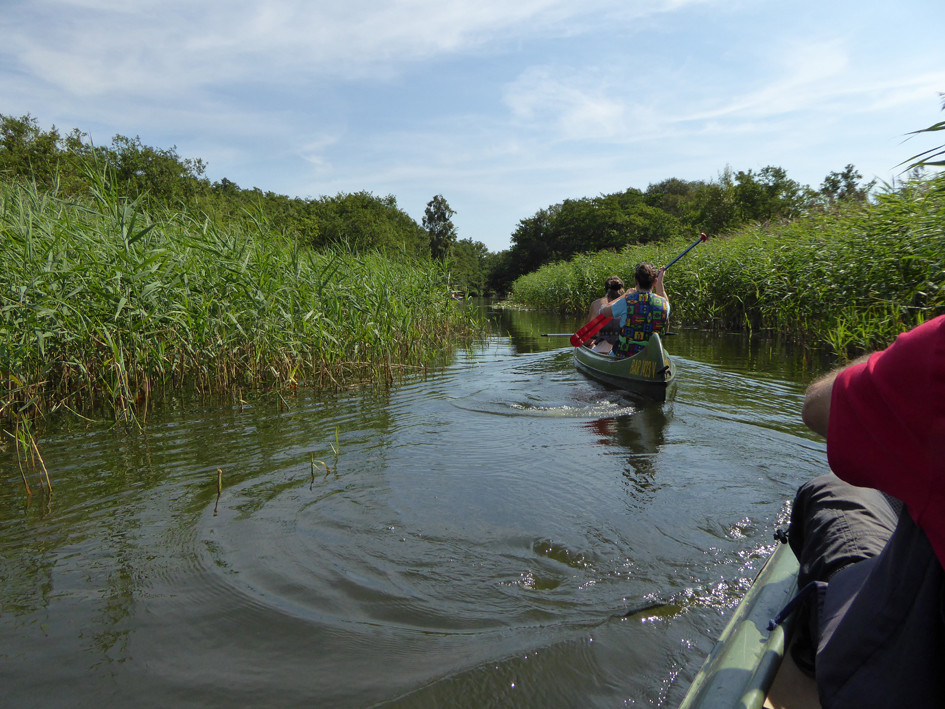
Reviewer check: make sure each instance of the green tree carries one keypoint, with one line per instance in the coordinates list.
(714, 206)
(469, 264)
(437, 220)
(845, 186)
(501, 271)
(532, 242)
(26, 151)
(607, 222)
(161, 174)
(586, 225)
(676, 197)
(362, 222)
(767, 196)
(43, 157)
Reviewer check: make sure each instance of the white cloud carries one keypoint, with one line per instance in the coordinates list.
(573, 104)
(93, 47)
(512, 105)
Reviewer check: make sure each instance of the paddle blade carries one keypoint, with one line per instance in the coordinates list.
(589, 330)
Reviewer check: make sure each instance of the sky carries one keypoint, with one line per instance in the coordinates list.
(504, 107)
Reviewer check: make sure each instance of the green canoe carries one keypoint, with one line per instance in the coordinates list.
(742, 666)
(649, 372)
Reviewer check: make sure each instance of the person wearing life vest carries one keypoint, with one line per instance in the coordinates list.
(640, 312)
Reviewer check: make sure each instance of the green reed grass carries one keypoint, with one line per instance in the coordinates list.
(851, 279)
(105, 306)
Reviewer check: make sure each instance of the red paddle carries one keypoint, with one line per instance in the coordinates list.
(589, 330)
(597, 324)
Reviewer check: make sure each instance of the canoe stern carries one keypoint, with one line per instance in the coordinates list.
(651, 369)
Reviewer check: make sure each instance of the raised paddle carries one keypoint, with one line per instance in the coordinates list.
(595, 325)
(702, 237)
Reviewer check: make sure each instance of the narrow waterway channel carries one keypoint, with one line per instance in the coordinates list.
(467, 538)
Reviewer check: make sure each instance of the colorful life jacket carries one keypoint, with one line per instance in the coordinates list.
(646, 313)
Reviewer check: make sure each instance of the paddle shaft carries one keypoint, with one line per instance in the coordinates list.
(571, 334)
(597, 324)
(702, 237)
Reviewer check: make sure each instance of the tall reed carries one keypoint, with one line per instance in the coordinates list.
(850, 279)
(104, 305)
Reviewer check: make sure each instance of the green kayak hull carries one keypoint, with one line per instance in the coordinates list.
(741, 667)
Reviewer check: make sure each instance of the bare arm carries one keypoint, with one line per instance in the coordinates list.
(816, 410)
(658, 286)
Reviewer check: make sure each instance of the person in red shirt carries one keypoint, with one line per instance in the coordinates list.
(884, 419)
(870, 538)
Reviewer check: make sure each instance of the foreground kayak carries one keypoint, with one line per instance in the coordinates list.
(648, 372)
(740, 670)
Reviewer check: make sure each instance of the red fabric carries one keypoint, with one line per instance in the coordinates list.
(887, 426)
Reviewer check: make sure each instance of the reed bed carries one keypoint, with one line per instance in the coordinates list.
(851, 279)
(104, 307)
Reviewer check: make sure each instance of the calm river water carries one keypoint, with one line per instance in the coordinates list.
(478, 536)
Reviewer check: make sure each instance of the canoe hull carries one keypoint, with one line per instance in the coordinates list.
(649, 372)
(741, 668)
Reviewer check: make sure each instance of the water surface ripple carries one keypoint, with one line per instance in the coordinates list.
(469, 538)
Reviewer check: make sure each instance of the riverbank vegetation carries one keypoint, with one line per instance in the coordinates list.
(667, 211)
(110, 302)
(159, 178)
(128, 274)
(850, 277)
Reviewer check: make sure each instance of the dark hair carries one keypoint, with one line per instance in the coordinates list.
(613, 284)
(645, 275)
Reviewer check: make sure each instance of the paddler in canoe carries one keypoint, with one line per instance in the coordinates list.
(640, 312)
(646, 322)
(605, 340)
(871, 538)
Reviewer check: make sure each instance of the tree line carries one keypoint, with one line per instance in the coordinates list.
(359, 221)
(363, 222)
(667, 210)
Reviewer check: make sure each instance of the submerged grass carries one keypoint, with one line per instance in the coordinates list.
(104, 307)
(851, 280)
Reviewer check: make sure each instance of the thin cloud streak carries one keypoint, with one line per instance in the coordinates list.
(502, 108)
(181, 45)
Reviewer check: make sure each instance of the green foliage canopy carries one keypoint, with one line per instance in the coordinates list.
(586, 225)
(470, 263)
(362, 221)
(850, 278)
(668, 210)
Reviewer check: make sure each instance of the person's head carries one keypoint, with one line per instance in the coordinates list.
(645, 275)
(613, 286)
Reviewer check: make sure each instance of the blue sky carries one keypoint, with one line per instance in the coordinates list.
(502, 106)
